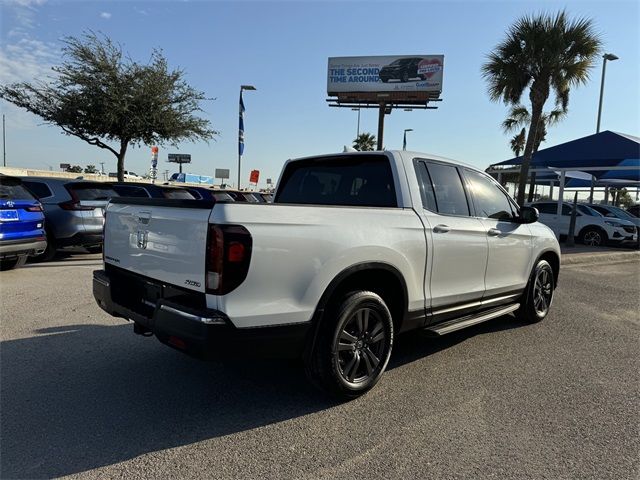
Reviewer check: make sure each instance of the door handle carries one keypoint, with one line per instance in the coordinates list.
(494, 232)
(441, 228)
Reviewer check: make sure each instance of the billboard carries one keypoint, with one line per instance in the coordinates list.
(254, 176)
(179, 158)
(222, 173)
(405, 73)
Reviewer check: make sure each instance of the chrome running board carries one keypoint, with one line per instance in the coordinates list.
(469, 320)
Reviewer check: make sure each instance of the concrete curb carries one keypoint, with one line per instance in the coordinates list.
(591, 257)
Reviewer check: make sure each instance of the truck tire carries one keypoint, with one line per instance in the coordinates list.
(537, 297)
(353, 345)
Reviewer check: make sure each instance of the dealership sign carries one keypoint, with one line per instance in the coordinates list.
(407, 73)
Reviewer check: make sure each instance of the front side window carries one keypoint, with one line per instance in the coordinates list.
(488, 199)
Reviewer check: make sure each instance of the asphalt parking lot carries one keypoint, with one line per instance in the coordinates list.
(82, 396)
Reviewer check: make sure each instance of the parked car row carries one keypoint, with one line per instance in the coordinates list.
(41, 215)
(596, 225)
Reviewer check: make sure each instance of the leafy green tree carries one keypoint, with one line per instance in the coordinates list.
(365, 142)
(103, 97)
(74, 169)
(543, 53)
(90, 169)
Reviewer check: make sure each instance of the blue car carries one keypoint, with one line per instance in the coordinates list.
(21, 224)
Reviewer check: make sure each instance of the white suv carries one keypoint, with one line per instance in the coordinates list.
(591, 227)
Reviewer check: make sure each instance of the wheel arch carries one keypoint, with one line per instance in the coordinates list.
(593, 227)
(378, 277)
(553, 258)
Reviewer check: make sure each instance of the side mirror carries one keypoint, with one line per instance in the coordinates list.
(529, 215)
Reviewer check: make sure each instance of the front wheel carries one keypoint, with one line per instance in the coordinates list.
(537, 298)
(353, 346)
(593, 237)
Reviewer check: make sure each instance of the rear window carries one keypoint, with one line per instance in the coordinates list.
(178, 193)
(131, 191)
(39, 189)
(92, 191)
(351, 180)
(12, 188)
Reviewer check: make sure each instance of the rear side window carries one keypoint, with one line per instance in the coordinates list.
(92, 191)
(178, 193)
(13, 189)
(351, 180)
(39, 189)
(488, 199)
(448, 191)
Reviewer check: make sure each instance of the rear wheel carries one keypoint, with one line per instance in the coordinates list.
(594, 237)
(353, 345)
(536, 300)
(11, 263)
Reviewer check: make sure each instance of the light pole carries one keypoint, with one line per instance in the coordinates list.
(241, 129)
(358, 130)
(404, 138)
(605, 57)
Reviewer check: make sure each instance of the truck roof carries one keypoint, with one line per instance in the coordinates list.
(394, 153)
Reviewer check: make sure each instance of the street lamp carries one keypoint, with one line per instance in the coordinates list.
(358, 110)
(404, 138)
(241, 129)
(605, 57)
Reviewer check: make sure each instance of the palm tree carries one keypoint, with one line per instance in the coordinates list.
(517, 142)
(519, 116)
(542, 53)
(365, 142)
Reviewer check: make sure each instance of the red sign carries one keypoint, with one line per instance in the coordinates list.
(154, 150)
(253, 178)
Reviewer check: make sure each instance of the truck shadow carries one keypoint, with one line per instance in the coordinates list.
(84, 396)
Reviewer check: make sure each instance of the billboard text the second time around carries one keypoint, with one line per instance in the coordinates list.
(409, 73)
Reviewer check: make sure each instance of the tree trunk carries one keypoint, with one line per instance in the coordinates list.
(121, 155)
(536, 146)
(528, 150)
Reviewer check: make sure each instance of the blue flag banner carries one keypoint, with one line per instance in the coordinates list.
(241, 127)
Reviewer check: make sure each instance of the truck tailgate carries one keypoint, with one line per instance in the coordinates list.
(162, 239)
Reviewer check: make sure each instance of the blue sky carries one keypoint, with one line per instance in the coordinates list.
(282, 49)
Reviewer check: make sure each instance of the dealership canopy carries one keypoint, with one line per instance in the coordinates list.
(612, 158)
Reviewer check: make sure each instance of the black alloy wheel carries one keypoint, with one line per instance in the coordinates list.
(353, 345)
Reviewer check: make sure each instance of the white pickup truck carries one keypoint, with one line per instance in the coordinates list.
(355, 249)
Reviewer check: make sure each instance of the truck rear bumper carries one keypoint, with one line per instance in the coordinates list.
(203, 333)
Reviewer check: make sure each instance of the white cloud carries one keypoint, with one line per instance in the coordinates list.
(25, 60)
(28, 3)
(105, 15)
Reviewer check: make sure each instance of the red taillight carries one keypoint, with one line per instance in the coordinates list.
(228, 257)
(235, 252)
(74, 205)
(34, 208)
